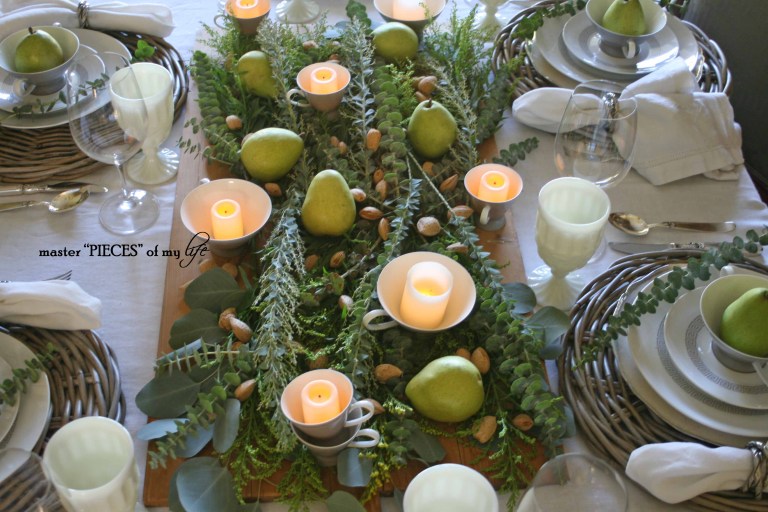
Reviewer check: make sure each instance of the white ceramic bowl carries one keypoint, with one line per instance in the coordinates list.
(450, 488)
(613, 42)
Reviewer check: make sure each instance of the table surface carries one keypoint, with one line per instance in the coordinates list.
(131, 287)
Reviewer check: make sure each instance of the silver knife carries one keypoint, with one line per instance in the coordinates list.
(33, 188)
(634, 248)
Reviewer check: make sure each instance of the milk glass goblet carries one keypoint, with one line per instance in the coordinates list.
(153, 164)
(570, 221)
(24, 483)
(108, 121)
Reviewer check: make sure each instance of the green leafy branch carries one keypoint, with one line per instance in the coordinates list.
(30, 372)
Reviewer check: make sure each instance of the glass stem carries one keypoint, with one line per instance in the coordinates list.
(123, 180)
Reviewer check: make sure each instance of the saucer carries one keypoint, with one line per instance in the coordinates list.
(690, 349)
(582, 41)
(8, 412)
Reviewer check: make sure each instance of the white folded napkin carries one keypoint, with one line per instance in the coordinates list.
(681, 131)
(54, 304)
(143, 18)
(677, 471)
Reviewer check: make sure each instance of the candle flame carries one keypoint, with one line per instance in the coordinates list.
(225, 209)
(429, 288)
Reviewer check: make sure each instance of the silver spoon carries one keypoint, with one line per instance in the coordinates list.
(60, 203)
(634, 225)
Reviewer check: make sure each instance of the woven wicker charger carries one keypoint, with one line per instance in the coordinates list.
(29, 156)
(610, 417)
(714, 77)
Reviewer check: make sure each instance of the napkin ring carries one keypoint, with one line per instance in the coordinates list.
(82, 14)
(758, 479)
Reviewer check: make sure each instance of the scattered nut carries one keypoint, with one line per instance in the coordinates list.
(484, 429)
(462, 352)
(335, 141)
(345, 302)
(342, 148)
(377, 407)
(311, 261)
(415, 81)
(372, 139)
(230, 268)
(320, 361)
(240, 329)
(335, 57)
(309, 45)
(245, 390)
(337, 259)
(224, 318)
(522, 422)
(273, 189)
(206, 265)
(378, 175)
(234, 122)
(462, 211)
(458, 248)
(481, 359)
(449, 183)
(358, 195)
(383, 228)
(371, 213)
(382, 189)
(427, 85)
(428, 168)
(236, 345)
(428, 226)
(386, 371)
(420, 96)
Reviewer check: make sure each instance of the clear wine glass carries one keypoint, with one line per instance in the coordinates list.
(111, 132)
(24, 483)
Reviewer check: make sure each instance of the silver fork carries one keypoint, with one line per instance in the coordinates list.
(66, 276)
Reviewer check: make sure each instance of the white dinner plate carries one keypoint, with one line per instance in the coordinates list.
(690, 349)
(549, 44)
(93, 40)
(8, 412)
(649, 350)
(582, 41)
(35, 403)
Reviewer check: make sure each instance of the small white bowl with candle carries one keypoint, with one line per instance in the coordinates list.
(493, 188)
(424, 292)
(323, 84)
(227, 212)
(248, 14)
(416, 14)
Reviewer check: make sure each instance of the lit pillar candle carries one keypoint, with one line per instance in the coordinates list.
(323, 81)
(226, 220)
(425, 297)
(494, 187)
(245, 9)
(409, 10)
(320, 401)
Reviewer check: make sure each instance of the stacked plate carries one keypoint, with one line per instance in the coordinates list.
(23, 424)
(669, 364)
(566, 51)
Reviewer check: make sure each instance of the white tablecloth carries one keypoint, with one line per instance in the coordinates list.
(131, 287)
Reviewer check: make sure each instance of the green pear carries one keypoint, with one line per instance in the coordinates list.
(625, 17)
(431, 129)
(270, 153)
(743, 326)
(256, 74)
(37, 51)
(329, 208)
(448, 389)
(395, 41)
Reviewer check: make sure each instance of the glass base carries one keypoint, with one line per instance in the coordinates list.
(147, 170)
(127, 214)
(550, 290)
(297, 11)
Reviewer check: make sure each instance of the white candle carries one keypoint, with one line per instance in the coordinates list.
(226, 220)
(245, 9)
(425, 298)
(494, 187)
(323, 81)
(408, 10)
(320, 401)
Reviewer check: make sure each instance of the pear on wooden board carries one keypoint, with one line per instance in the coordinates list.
(329, 208)
(256, 74)
(432, 129)
(625, 17)
(448, 389)
(743, 326)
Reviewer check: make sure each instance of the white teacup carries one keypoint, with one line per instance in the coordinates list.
(42, 82)
(450, 488)
(91, 463)
(620, 45)
(326, 100)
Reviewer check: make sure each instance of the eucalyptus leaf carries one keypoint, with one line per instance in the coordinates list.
(226, 426)
(352, 470)
(195, 325)
(174, 503)
(427, 446)
(181, 353)
(398, 496)
(553, 322)
(232, 299)
(204, 485)
(522, 295)
(194, 443)
(342, 501)
(167, 395)
(159, 428)
(209, 290)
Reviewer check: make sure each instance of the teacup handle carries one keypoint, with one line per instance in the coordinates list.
(370, 316)
(484, 214)
(373, 439)
(289, 95)
(218, 20)
(629, 49)
(364, 405)
(22, 89)
(761, 368)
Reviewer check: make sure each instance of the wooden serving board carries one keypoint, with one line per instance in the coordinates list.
(502, 245)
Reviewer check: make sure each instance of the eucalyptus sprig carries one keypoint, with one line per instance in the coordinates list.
(30, 372)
